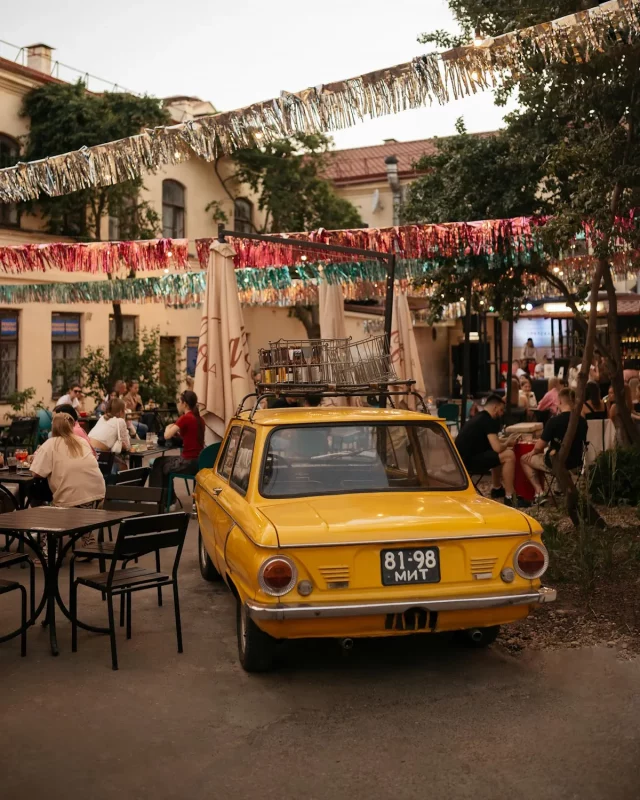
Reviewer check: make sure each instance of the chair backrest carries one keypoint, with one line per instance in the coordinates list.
(130, 477)
(208, 456)
(450, 412)
(139, 536)
(146, 500)
(23, 431)
(105, 462)
(7, 501)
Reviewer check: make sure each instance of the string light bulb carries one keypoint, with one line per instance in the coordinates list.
(477, 39)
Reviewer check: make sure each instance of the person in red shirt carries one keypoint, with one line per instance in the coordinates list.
(190, 427)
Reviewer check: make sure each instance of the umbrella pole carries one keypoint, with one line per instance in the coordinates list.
(388, 313)
(466, 359)
(509, 366)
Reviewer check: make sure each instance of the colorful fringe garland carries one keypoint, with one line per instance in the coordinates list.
(456, 73)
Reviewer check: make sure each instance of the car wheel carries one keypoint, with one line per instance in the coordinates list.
(479, 637)
(207, 570)
(255, 647)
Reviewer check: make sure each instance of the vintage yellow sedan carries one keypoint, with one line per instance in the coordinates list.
(348, 523)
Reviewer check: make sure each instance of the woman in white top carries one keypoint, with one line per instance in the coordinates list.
(527, 394)
(111, 428)
(69, 465)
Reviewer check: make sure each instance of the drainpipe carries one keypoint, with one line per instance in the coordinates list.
(391, 166)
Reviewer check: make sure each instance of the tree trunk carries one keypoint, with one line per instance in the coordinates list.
(559, 465)
(309, 317)
(466, 358)
(616, 366)
(507, 387)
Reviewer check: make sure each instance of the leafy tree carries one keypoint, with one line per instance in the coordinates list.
(66, 117)
(287, 177)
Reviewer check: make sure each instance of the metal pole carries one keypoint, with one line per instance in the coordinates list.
(466, 360)
(388, 300)
(497, 349)
(509, 364)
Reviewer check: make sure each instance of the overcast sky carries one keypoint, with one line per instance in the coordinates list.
(244, 51)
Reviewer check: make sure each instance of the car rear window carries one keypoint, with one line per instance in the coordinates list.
(334, 459)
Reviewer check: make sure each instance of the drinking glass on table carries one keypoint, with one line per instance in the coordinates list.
(21, 456)
(12, 462)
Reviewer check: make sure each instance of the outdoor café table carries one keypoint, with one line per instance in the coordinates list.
(136, 457)
(56, 523)
(23, 479)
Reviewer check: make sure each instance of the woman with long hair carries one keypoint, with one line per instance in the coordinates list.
(69, 465)
(593, 407)
(111, 429)
(190, 427)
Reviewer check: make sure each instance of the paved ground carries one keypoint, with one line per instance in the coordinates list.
(412, 718)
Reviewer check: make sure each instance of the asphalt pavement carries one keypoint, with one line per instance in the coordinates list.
(408, 718)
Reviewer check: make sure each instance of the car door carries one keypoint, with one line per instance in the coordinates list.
(231, 497)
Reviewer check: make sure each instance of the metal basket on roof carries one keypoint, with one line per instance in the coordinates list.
(308, 364)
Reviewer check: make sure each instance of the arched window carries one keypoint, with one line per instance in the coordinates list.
(9, 155)
(243, 215)
(172, 210)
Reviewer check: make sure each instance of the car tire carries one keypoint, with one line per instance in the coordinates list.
(479, 637)
(256, 649)
(207, 570)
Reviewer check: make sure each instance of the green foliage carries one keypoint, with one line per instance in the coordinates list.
(21, 404)
(615, 477)
(142, 360)
(218, 214)
(287, 176)
(473, 177)
(66, 117)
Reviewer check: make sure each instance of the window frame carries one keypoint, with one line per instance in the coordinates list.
(55, 391)
(351, 424)
(243, 224)
(6, 209)
(174, 206)
(136, 328)
(7, 313)
(247, 430)
(223, 454)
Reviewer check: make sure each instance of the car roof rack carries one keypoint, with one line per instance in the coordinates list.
(385, 390)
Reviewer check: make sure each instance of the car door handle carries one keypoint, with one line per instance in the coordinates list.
(216, 492)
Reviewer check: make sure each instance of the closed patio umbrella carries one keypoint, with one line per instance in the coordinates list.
(223, 367)
(404, 349)
(331, 308)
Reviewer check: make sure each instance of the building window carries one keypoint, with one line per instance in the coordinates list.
(114, 229)
(8, 353)
(129, 328)
(9, 155)
(172, 210)
(65, 351)
(192, 355)
(243, 215)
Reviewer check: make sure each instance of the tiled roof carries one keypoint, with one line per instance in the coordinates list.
(360, 164)
(27, 72)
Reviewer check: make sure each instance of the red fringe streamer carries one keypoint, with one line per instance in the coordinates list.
(97, 257)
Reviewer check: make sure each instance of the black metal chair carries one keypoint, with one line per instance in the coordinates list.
(15, 559)
(10, 586)
(130, 477)
(105, 462)
(23, 432)
(121, 498)
(8, 503)
(136, 537)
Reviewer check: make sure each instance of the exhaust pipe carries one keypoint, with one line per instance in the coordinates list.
(476, 635)
(347, 644)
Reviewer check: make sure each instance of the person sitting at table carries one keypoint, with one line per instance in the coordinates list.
(527, 393)
(537, 461)
(516, 369)
(133, 402)
(72, 398)
(518, 400)
(110, 433)
(593, 407)
(70, 468)
(78, 430)
(549, 401)
(190, 426)
(482, 451)
(614, 414)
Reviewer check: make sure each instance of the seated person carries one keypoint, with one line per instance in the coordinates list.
(110, 433)
(549, 402)
(593, 407)
(481, 450)
(133, 402)
(78, 430)
(527, 393)
(534, 463)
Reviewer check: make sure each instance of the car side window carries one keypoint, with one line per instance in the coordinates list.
(242, 466)
(230, 448)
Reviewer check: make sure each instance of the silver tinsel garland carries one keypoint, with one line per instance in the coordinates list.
(428, 78)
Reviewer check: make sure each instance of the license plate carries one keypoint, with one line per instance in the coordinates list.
(410, 565)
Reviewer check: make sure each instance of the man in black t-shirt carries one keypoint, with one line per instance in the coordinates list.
(533, 463)
(481, 450)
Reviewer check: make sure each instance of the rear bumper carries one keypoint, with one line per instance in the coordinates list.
(323, 611)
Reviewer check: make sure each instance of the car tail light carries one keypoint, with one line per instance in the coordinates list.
(531, 560)
(277, 576)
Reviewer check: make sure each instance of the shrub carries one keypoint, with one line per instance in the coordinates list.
(615, 477)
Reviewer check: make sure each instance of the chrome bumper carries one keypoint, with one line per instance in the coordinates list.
(300, 611)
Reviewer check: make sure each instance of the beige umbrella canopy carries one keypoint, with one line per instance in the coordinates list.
(331, 311)
(404, 350)
(223, 368)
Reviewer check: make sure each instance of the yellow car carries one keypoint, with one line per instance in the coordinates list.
(346, 523)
